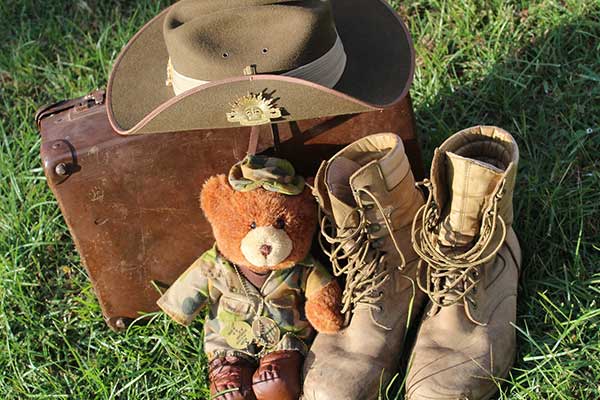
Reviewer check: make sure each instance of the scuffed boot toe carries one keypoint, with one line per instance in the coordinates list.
(451, 376)
(342, 378)
(434, 389)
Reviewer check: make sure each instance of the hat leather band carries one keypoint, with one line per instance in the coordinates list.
(325, 70)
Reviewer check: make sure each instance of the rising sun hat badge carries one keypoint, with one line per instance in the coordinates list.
(253, 109)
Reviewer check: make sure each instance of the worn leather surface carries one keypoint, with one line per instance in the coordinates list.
(231, 378)
(131, 203)
(278, 376)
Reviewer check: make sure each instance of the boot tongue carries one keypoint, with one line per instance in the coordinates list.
(470, 183)
(338, 181)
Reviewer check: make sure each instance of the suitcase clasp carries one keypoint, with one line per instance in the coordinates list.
(95, 98)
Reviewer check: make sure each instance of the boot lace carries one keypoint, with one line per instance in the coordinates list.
(355, 253)
(453, 274)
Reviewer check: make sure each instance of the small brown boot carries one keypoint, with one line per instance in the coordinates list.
(471, 259)
(231, 378)
(278, 376)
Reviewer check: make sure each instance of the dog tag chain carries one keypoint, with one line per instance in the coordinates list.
(264, 331)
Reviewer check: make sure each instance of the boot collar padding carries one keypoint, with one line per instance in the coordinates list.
(485, 144)
(338, 177)
(384, 149)
(375, 156)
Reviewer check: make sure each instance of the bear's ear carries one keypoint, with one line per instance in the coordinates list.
(214, 196)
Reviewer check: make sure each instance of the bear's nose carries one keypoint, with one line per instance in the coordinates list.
(265, 249)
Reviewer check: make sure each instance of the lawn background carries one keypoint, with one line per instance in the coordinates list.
(532, 67)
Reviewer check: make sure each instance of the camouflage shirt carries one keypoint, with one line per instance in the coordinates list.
(213, 280)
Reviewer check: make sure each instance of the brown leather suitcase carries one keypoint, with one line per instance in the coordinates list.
(131, 202)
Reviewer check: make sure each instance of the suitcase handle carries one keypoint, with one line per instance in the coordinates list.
(94, 98)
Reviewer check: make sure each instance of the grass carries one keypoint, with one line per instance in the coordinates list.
(532, 67)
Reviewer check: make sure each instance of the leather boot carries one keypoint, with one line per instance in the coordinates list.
(471, 259)
(278, 376)
(368, 199)
(231, 378)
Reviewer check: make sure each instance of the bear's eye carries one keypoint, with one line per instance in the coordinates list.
(280, 223)
(253, 225)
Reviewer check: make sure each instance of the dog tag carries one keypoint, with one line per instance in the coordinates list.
(266, 332)
(237, 334)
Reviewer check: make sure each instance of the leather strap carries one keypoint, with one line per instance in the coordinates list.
(255, 135)
(253, 141)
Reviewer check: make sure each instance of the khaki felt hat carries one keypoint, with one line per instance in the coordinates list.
(204, 64)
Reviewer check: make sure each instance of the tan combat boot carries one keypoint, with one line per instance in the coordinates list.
(471, 259)
(368, 198)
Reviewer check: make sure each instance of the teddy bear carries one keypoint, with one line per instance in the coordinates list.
(266, 294)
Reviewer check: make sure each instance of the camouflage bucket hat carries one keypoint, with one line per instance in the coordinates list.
(270, 173)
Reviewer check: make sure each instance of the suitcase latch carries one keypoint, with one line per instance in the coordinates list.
(95, 98)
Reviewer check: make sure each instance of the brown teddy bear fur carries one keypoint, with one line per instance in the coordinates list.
(230, 214)
(323, 309)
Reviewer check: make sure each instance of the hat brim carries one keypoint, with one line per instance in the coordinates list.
(379, 71)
